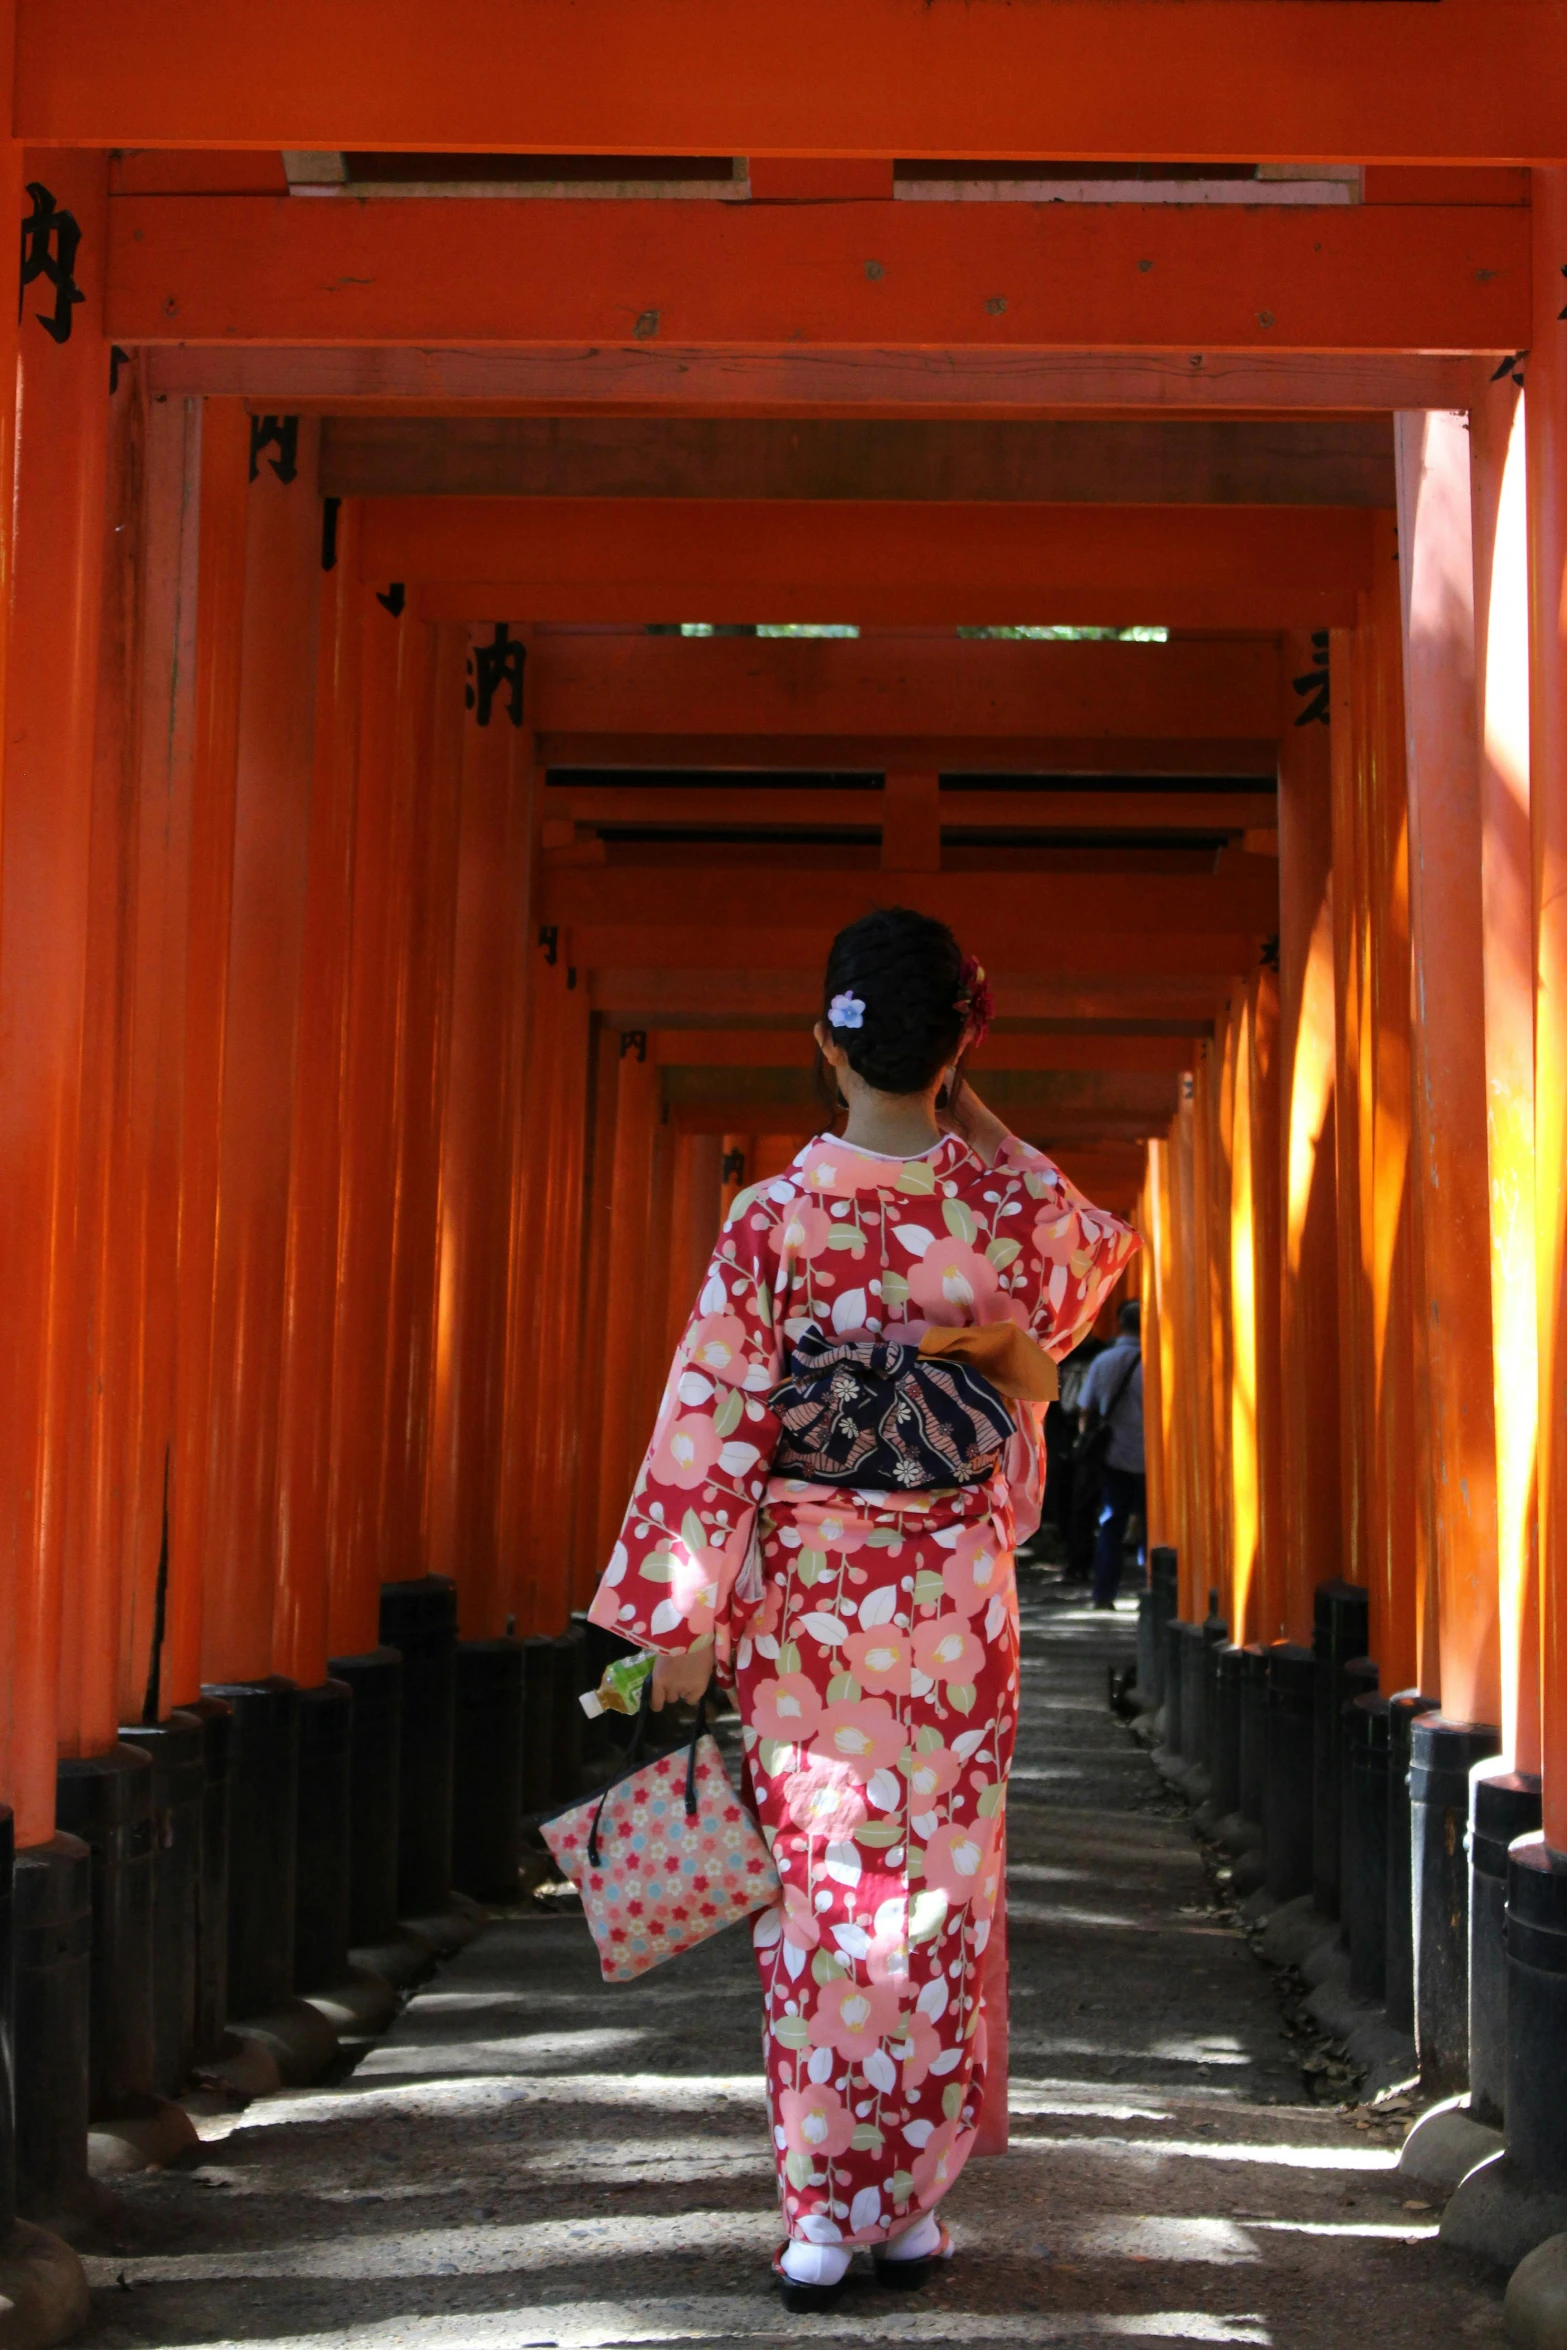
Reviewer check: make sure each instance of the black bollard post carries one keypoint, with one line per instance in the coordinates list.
(1164, 1578)
(1360, 1680)
(212, 1891)
(1365, 1848)
(1194, 1726)
(263, 1831)
(1404, 1709)
(1254, 1730)
(1225, 1662)
(1503, 1806)
(376, 1679)
(1287, 1784)
(538, 1706)
(323, 1852)
(566, 1716)
(1536, 2073)
(1340, 1631)
(175, 1749)
(7, 2025)
(52, 1892)
(419, 1620)
(106, 1801)
(1443, 1753)
(487, 1771)
(1174, 1723)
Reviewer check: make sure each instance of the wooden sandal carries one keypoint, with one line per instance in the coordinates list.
(807, 2300)
(907, 2276)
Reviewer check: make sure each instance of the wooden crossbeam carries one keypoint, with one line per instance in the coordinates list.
(661, 378)
(1267, 80)
(775, 1048)
(1082, 755)
(699, 809)
(639, 559)
(810, 905)
(665, 990)
(989, 277)
(796, 688)
(1338, 461)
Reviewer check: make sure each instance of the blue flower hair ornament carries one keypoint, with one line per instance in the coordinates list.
(846, 1011)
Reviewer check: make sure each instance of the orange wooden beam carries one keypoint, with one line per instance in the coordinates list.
(671, 986)
(1473, 80)
(782, 1048)
(661, 378)
(1082, 756)
(986, 277)
(735, 560)
(699, 807)
(1051, 915)
(799, 687)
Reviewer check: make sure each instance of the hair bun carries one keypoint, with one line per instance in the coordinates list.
(906, 972)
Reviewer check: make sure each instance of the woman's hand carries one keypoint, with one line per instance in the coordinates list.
(682, 1680)
(967, 1117)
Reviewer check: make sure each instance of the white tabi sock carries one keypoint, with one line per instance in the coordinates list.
(919, 2242)
(815, 2264)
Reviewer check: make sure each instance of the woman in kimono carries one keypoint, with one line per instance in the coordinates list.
(871, 1636)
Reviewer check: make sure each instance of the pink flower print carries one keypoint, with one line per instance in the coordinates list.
(887, 1960)
(686, 1453)
(882, 1659)
(788, 1708)
(815, 2121)
(826, 1798)
(853, 2017)
(717, 1346)
(938, 2164)
(839, 1173)
(976, 1570)
(931, 1775)
(862, 1733)
(827, 1529)
(955, 1858)
(801, 1926)
(801, 1231)
(946, 1650)
(953, 1283)
(917, 2051)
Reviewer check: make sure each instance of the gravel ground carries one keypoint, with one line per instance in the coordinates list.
(533, 2157)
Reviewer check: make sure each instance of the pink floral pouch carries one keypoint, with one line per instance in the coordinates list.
(664, 1856)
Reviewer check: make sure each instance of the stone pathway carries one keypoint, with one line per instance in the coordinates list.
(531, 2157)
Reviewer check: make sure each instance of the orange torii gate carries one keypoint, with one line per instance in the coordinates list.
(404, 952)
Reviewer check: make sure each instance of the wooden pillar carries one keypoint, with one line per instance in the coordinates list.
(301, 1619)
(1399, 1491)
(201, 996)
(394, 727)
(108, 1297)
(1450, 1162)
(156, 1584)
(1501, 615)
(1354, 1079)
(603, 1055)
(563, 1002)
(277, 703)
(470, 1327)
(1244, 1434)
(693, 1228)
(423, 1032)
(636, 1119)
(1546, 431)
(1311, 1416)
(1267, 1599)
(45, 834)
(1193, 1396)
(1158, 1345)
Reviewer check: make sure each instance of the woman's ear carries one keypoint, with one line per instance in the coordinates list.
(830, 1050)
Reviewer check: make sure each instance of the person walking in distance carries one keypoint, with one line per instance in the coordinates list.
(1110, 1403)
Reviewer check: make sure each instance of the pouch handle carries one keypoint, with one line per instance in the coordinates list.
(634, 1756)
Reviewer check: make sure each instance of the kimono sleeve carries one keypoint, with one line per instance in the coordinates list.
(1076, 1251)
(688, 1527)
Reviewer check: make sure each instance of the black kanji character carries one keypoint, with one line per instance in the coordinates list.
(633, 1040)
(275, 432)
(492, 666)
(393, 600)
(1315, 684)
(51, 239)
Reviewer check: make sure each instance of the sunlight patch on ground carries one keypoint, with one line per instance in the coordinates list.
(603, 2325)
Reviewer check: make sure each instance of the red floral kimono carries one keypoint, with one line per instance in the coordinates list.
(873, 1641)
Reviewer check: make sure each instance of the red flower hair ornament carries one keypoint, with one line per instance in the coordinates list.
(974, 1000)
